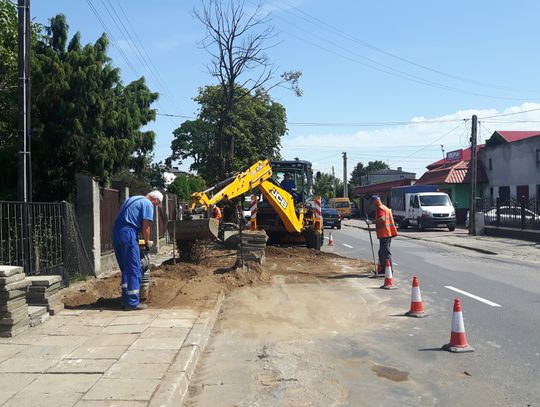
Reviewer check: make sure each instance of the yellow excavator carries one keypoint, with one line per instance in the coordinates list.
(287, 216)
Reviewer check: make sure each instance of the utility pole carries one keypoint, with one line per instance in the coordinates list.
(24, 185)
(333, 183)
(474, 163)
(345, 191)
(25, 163)
(442, 149)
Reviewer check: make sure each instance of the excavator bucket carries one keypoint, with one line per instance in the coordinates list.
(196, 229)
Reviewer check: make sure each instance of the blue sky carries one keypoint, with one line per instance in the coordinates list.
(361, 62)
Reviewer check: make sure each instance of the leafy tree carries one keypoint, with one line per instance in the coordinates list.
(184, 185)
(360, 170)
(324, 186)
(84, 117)
(257, 124)
(237, 38)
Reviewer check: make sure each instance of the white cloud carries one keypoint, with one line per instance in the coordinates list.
(397, 144)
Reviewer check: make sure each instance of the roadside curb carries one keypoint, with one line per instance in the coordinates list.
(175, 383)
(475, 249)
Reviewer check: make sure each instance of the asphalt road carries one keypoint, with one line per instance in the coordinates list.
(501, 307)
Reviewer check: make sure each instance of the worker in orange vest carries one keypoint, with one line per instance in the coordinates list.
(216, 212)
(386, 229)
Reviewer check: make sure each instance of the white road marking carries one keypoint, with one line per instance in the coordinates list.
(327, 238)
(488, 302)
(395, 264)
(346, 245)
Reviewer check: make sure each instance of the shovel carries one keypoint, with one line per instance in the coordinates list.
(372, 250)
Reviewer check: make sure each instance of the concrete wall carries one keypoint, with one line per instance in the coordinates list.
(513, 164)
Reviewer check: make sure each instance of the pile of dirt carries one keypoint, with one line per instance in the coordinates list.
(176, 285)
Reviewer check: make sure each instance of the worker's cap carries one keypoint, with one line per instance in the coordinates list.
(156, 195)
(373, 198)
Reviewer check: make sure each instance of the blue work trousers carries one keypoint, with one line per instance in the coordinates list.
(128, 257)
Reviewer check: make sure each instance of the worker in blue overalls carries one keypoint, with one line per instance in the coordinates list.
(136, 215)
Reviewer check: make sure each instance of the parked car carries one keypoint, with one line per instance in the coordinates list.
(331, 218)
(509, 216)
(355, 211)
(343, 206)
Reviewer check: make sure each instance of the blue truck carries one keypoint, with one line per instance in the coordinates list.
(422, 206)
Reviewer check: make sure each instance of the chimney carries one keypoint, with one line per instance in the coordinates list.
(400, 169)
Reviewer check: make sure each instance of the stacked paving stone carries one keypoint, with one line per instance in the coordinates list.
(253, 246)
(13, 307)
(45, 291)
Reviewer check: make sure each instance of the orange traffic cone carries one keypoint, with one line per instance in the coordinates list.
(417, 306)
(458, 339)
(388, 279)
(330, 240)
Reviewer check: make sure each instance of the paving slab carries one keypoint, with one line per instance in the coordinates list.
(158, 343)
(62, 383)
(72, 312)
(11, 305)
(172, 323)
(33, 399)
(9, 350)
(165, 333)
(65, 340)
(118, 389)
(124, 329)
(111, 340)
(92, 319)
(82, 366)
(18, 285)
(180, 314)
(71, 330)
(149, 356)
(6, 271)
(44, 280)
(133, 319)
(111, 403)
(98, 352)
(13, 383)
(19, 364)
(47, 352)
(11, 279)
(172, 391)
(131, 370)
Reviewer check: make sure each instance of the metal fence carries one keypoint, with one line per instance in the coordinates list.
(43, 238)
(522, 214)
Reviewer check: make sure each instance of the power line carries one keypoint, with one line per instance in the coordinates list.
(434, 141)
(509, 114)
(385, 68)
(146, 60)
(318, 23)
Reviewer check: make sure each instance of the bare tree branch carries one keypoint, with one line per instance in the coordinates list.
(237, 41)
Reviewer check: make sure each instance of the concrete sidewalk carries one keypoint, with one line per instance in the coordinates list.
(97, 358)
(504, 247)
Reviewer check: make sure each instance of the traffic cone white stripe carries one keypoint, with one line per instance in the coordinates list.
(330, 240)
(416, 296)
(457, 323)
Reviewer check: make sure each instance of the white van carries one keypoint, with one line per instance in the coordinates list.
(423, 209)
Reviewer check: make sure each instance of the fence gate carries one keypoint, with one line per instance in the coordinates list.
(43, 238)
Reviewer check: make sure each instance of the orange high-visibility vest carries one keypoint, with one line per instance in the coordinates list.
(384, 223)
(217, 213)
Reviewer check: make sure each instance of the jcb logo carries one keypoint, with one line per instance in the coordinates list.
(279, 198)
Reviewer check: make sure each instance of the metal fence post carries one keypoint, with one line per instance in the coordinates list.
(65, 272)
(498, 212)
(523, 218)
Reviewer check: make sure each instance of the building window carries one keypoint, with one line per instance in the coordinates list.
(490, 165)
(504, 195)
(491, 193)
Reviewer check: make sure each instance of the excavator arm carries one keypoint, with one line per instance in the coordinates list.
(257, 175)
(234, 186)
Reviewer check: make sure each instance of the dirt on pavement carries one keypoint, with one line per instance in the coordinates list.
(196, 285)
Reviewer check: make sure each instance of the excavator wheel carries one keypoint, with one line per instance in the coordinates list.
(313, 240)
